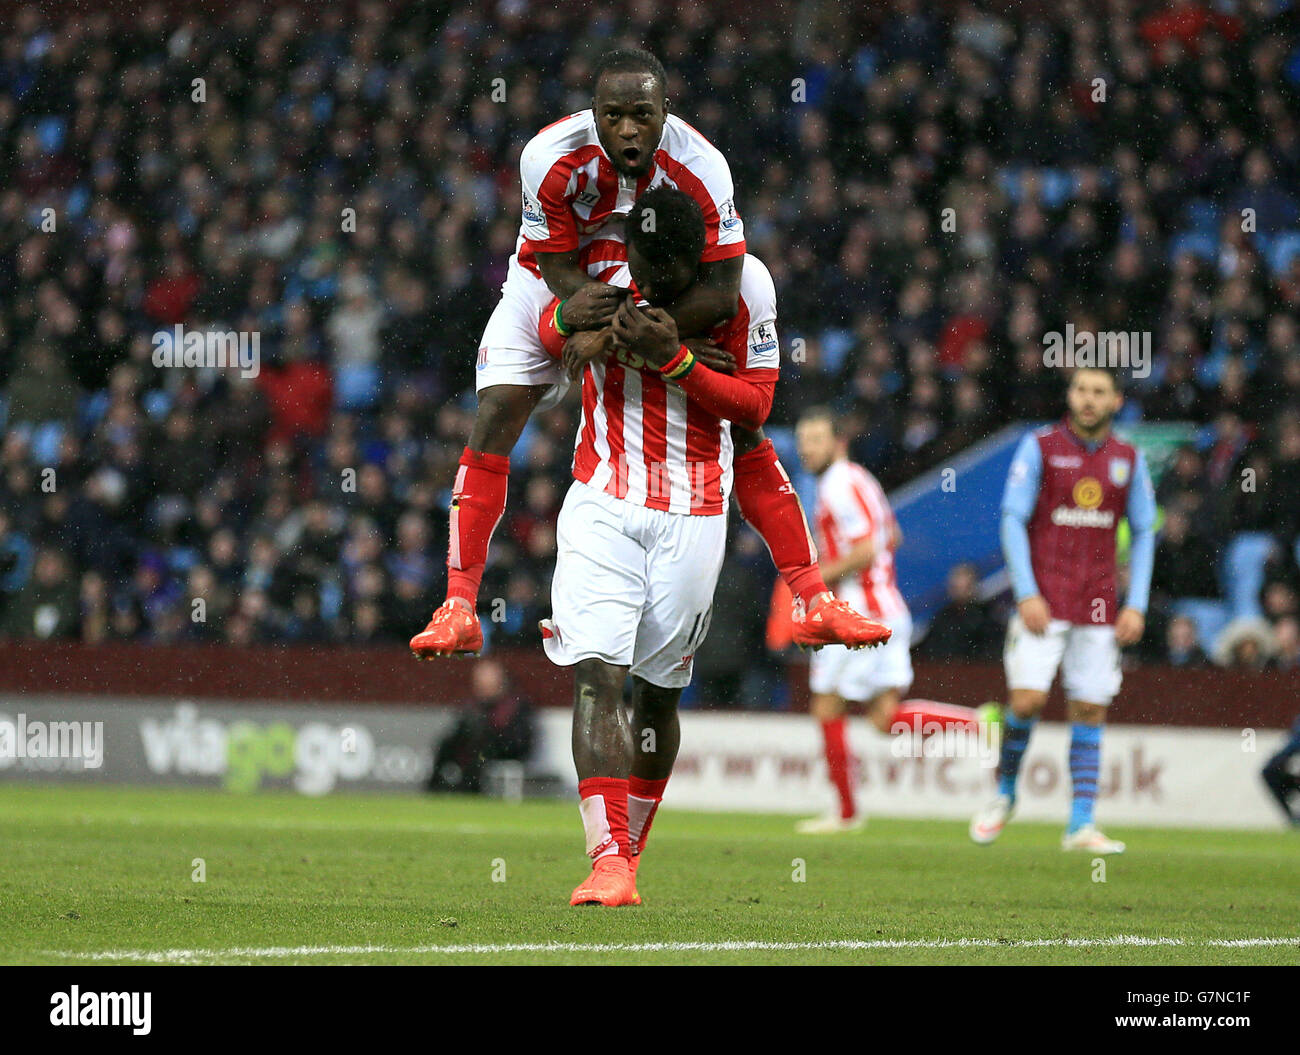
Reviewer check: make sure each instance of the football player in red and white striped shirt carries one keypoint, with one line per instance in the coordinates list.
(580, 177)
(642, 531)
(857, 537)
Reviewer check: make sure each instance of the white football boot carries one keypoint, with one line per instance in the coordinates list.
(830, 824)
(987, 825)
(1092, 840)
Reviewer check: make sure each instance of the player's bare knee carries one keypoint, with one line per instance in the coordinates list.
(1086, 713)
(1027, 703)
(826, 707)
(650, 702)
(503, 411)
(598, 684)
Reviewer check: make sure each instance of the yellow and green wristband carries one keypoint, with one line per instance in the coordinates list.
(558, 319)
(679, 365)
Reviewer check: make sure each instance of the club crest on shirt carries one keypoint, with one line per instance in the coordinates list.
(1087, 492)
(1119, 471)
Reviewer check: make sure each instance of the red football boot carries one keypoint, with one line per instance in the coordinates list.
(454, 630)
(833, 622)
(610, 884)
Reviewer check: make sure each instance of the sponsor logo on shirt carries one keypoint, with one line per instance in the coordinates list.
(588, 197)
(1065, 461)
(1063, 516)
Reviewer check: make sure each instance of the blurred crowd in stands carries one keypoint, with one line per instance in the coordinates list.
(342, 180)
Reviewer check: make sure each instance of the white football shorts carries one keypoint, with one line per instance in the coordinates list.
(511, 352)
(863, 674)
(633, 586)
(1088, 656)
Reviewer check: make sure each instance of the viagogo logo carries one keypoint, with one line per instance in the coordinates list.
(316, 756)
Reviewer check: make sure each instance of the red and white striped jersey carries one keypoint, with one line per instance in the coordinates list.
(572, 193)
(851, 506)
(642, 438)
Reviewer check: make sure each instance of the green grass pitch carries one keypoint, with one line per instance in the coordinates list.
(108, 875)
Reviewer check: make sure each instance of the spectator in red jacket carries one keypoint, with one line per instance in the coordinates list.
(300, 394)
(170, 296)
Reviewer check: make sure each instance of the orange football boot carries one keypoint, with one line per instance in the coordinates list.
(833, 622)
(611, 883)
(453, 630)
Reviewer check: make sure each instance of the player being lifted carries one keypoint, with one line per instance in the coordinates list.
(857, 536)
(580, 178)
(643, 527)
(1068, 488)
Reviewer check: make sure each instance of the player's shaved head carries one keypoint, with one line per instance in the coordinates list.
(665, 239)
(666, 224)
(630, 107)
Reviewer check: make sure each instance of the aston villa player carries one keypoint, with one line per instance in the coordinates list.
(1069, 486)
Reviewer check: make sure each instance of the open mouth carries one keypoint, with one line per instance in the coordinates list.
(631, 155)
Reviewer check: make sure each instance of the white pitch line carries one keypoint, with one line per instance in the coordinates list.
(484, 949)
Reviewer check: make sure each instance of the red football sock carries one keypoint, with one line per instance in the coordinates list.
(837, 763)
(604, 815)
(768, 501)
(922, 716)
(478, 500)
(643, 798)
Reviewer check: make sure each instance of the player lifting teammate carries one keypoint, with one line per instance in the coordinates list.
(581, 176)
(642, 530)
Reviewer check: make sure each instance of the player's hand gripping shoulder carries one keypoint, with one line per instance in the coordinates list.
(586, 346)
(650, 332)
(592, 306)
